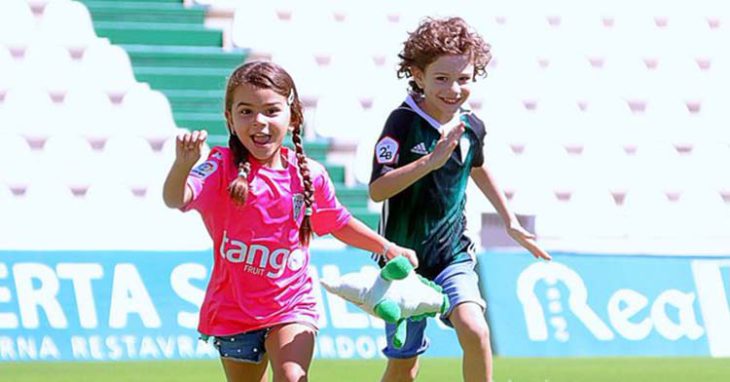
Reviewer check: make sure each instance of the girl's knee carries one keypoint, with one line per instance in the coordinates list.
(291, 373)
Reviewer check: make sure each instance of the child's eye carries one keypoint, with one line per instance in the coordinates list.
(273, 111)
(464, 79)
(245, 111)
(441, 78)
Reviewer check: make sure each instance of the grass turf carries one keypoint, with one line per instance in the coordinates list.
(627, 369)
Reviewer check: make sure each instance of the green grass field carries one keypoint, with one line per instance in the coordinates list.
(432, 370)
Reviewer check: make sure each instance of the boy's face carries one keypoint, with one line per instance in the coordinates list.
(445, 84)
(260, 118)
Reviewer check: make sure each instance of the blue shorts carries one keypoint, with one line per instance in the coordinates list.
(245, 347)
(461, 284)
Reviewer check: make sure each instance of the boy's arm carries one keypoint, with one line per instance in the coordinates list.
(397, 180)
(357, 234)
(486, 183)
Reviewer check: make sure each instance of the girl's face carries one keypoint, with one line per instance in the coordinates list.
(260, 118)
(445, 84)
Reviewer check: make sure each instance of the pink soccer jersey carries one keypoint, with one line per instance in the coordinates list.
(260, 275)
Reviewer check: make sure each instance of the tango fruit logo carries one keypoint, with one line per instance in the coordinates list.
(259, 259)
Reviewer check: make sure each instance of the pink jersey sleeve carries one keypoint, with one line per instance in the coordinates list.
(328, 214)
(205, 180)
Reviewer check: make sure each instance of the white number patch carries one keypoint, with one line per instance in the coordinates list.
(386, 151)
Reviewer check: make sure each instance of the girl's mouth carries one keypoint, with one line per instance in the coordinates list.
(261, 139)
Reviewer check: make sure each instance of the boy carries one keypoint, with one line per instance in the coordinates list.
(429, 148)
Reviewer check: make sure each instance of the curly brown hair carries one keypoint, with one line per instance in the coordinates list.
(438, 37)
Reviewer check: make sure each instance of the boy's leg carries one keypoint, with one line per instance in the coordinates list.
(473, 333)
(403, 362)
(401, 370)
(460, 282)
(290, 347)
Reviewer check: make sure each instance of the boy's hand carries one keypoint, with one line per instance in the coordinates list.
(188, 146)
(527, 240)
(445, 146)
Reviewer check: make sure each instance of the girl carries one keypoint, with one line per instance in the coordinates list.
(260, 203)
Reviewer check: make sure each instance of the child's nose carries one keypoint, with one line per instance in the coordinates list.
(260, 119)
(456, 87)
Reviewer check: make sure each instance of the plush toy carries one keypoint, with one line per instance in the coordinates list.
(394, 294)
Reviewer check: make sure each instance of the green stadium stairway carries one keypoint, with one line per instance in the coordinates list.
(172, 50)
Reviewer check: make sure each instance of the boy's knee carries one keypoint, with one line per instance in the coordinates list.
(401, 370)
(474, 333)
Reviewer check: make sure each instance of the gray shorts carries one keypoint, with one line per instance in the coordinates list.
(460, 283)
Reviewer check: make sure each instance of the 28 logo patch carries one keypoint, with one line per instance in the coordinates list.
(386, 151)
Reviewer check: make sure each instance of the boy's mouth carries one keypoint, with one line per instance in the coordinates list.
(261, 139)
(451, 101)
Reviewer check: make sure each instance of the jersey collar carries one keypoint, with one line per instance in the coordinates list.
(431, 121)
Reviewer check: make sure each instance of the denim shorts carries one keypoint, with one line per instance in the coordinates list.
(460, 283)
(245, 347)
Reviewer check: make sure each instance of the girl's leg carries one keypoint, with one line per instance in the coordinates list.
(237, 371)
(473, 333)
(290, 347)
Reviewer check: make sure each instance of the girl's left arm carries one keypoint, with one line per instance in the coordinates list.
(355, 233)
(486, 183)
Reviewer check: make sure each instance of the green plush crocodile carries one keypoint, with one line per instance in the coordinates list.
(394, 294)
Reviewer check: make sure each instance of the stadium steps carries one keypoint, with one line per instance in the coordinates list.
(172, 50)
(145, 12)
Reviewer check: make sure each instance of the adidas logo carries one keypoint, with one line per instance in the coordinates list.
(419, 149)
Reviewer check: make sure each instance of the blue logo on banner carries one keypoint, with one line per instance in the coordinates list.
(608, 305)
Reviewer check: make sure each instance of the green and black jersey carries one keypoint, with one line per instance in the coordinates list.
(428, 216)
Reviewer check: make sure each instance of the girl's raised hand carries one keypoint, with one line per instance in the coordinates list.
(189, 145)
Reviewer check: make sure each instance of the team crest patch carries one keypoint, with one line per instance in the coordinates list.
(204, 169)
(297, 205)
(386, 151)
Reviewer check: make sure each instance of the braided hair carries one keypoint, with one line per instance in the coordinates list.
(267, 75)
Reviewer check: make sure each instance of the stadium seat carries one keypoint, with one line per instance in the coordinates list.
(335, 116)
(703, 213)
(49, 67)
(8, 71)
(17, 24)
(30, 113)
(130, 161)
(15, 149)
(68, 24)
(650, 214)
(107, 67)
(89, 113)
(250, 25)
(70, 161)
(147, 113)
